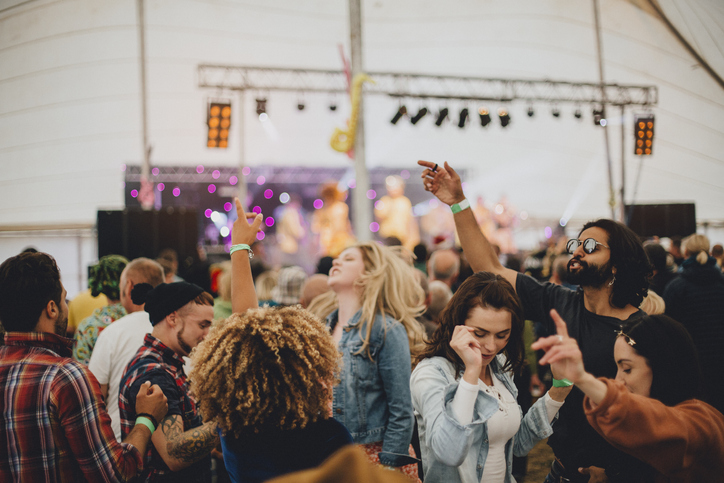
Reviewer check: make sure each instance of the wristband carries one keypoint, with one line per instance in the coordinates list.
(458, 207)
(241, 246)
(561, 382)
(146, 422)
(150, 418)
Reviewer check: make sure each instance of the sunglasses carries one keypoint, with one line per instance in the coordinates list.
(589, 245)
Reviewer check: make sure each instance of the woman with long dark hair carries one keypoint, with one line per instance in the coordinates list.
(463, 392)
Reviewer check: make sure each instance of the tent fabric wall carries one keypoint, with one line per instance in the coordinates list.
(70, 107)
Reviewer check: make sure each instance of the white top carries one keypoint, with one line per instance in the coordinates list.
(114, 349)
(501, 427)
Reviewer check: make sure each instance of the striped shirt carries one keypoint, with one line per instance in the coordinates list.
(53, 423)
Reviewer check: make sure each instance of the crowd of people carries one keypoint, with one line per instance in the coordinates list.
(386, 365)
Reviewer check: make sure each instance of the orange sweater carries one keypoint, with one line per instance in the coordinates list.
(684, 443)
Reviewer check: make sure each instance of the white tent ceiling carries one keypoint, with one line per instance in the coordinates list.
(70, 102)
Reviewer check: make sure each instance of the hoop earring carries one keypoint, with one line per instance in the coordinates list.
(611, 282)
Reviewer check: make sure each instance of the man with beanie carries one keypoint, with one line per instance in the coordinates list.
(53, 422)
(181, 314)
(119, 342)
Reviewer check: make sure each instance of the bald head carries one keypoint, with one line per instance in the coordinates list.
(315, 285)
(440, 295)
(140, 270)
(444, 265)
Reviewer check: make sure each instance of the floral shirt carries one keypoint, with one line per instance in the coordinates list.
(90, 329)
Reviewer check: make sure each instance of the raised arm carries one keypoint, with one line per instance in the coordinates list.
(445, 184)
(243, 295)
(181, 449)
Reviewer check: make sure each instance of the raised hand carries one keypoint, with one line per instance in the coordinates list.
(151, 400)
(465, 346)
(562, 352)
(442, 181)
(242, 232)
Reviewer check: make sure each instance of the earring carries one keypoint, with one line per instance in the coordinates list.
(611, 282)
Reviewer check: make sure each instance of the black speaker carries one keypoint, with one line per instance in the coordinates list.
(138, 233)
(664, 220)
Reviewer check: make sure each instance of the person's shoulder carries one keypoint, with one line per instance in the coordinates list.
(436, 364)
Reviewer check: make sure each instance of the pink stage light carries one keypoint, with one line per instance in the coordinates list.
(233, 180)
(161, 186)
(404, 174)
(155, 171)
(134, 193)
(260, 236)
(208, 213)
(212, 188)
(371, 194)
(177, 191)
(374, 227)
(268, 194)
(216, 174)
(260, 180)
(246, 170)
(256, 209)
(227, 206)
(352, 184)
(123, 167)
(199, 169)
(269, 221)
(318, 204)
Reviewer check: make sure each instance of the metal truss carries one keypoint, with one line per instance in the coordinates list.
(427, 86)
(183, 174)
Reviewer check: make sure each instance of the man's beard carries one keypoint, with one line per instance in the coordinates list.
(588, 275)
(61, 325)
(181, 342)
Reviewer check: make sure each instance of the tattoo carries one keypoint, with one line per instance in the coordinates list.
(189, 446)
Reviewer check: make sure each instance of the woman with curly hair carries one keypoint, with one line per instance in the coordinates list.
(266, 378)
(375, 328)
(463, 393)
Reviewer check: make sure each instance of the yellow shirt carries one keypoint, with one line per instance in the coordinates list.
(83, 306)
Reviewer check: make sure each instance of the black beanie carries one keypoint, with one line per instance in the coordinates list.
(165, 298)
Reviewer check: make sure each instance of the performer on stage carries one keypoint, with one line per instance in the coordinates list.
(331, 222)
(394, 214)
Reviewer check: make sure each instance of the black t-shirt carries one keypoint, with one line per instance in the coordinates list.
(575, 443)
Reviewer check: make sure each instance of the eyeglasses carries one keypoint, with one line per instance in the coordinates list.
(589, 245)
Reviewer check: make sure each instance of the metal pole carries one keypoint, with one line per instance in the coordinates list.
(623, 165)
(612, 196)
(146, 201)
(241, 191)
(362, 206)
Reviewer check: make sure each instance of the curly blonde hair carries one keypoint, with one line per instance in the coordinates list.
(266, 368)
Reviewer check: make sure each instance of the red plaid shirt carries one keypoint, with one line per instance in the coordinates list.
(53, 422)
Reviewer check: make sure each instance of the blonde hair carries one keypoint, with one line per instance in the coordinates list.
(389, 286)
(266, 368)
(653, 304)
(323, 304)
(265, 283)
(697, 245)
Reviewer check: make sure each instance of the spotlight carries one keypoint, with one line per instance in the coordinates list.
(556, 112)
(442, 115)
(463, 118)
(599, 116)
(531, 112)
(644, 135)
(218, 120)
(260, 106)
(333, 107)
(484, 116)
(398, 115)
(504, 117)
(300, 105)
(420, 114)
(578, 114)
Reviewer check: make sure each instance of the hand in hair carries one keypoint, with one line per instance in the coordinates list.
(443, 182)
(465, 345)
(242, 231)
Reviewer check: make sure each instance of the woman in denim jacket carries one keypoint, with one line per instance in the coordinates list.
(463, 392)
(375, 328)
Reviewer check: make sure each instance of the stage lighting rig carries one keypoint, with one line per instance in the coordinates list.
(578, 114)
(333, 107)
(301, 105)
(484, 116)
(599, 116)
(531, 112)
(504, 117)
(463, 117)
(402, 111)
(260, 106)
(441, 116)
(218, 120)
(556, 112)
(644, 135)
(420, 114)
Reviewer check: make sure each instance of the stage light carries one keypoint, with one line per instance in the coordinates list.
(441, 116)
(300, 105)
(398, 115)
(420, 114)
(556, 112)
(260, 106)
(463, 118)
(644, 135)
(599, 116)
(531, 112)
(504, 117)
(218, 120)
(484, 116)
(578, 114)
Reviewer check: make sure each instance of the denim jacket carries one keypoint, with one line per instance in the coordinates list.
(372, 399)
(445, 443)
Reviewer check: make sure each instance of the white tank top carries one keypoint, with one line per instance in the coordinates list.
(501, 427)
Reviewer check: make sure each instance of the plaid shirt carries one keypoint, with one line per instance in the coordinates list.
(157, 358)
(53, 422)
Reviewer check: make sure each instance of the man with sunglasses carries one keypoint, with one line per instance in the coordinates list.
(611, 268)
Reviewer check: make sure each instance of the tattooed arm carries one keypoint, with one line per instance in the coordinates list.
(180, 449)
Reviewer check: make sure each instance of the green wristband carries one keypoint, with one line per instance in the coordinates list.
(146, 422)
(561, 382)
(458, 207)
(241, 246)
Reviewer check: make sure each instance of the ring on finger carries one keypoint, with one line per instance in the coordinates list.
(560, 339)
(434, 169)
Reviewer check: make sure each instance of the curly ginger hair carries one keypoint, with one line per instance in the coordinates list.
(267, 368)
